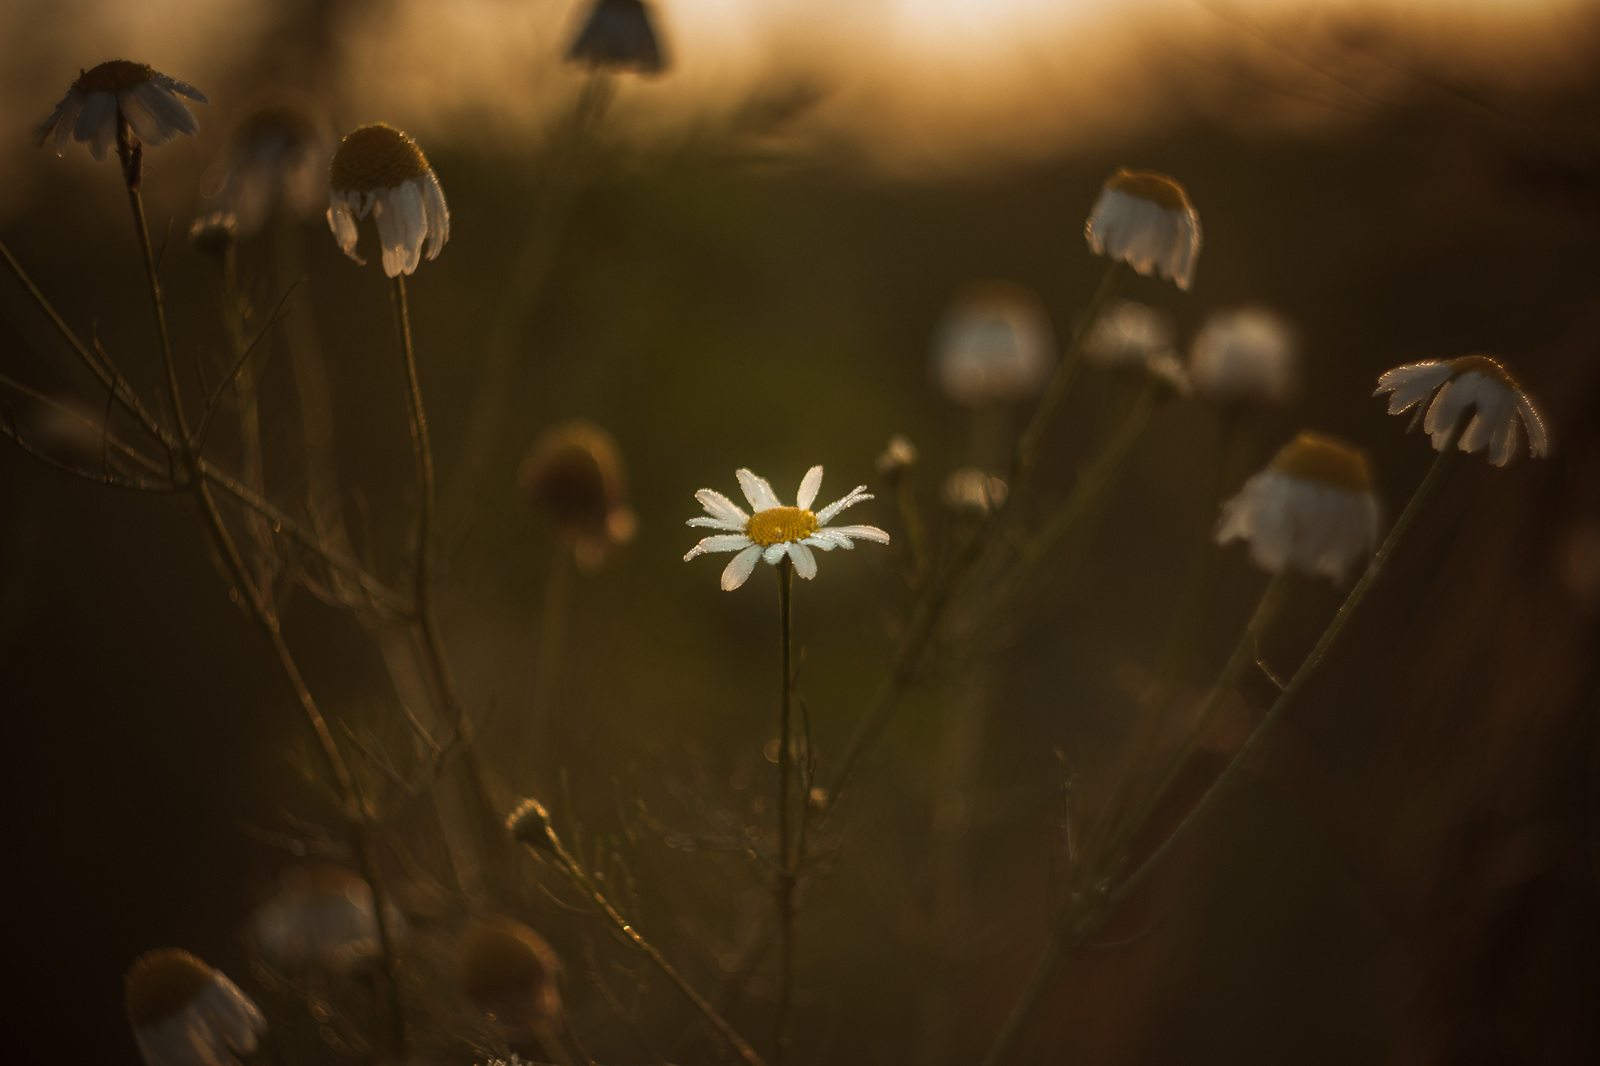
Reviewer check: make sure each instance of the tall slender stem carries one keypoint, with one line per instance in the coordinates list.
(786, 862)
(356, 809)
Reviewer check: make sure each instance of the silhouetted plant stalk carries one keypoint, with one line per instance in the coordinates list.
(1091, 901)
(786, 865)
(356, 809)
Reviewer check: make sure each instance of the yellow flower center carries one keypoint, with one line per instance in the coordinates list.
(161, 983)
(1318, 457)
(119, 75)
(1488, 367)
(1148, 185)
(375, 157)
(780, 525)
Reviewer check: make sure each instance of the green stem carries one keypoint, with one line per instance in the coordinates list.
(786, 865)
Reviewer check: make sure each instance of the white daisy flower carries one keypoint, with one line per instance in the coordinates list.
(277, 157)
(994, 345)
(120, 91)
(1312, 509)
(1145, 219)
(1127, 335)
(184, 1013)
(1472, 382)
(776, 531)
(322, 917)
(618, 35)
(380, 170)
(508, 971)
(1245, 356)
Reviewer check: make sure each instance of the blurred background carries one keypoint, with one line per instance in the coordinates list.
(743, 262)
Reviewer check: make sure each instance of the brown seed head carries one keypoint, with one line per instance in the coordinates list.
(1316, 456)
(509, 971)
(375, 157)
(574, 473)
(1148, 185)
(118, 75)
(161, 983)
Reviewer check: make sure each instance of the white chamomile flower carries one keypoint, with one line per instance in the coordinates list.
(1246, 356)
(776, 531)
(1311, 509)
(1145, 220)
(276, 159)
(120, 91)
(380, 170)
(184, 1013)
(1476, 383)
(321, 918)
(994, 345)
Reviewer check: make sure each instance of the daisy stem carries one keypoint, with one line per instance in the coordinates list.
(422, 569)
(1081, 921)
(786, 866)
(356, 809)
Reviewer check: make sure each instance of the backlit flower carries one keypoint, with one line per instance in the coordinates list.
(276, 157)
(1312, 509)
(618, 35)
(380, 170)
(574, 473)
(776, 531)
(994, 345)
(184, 1013)
(508, 971)
(1474, 383)
(1127, 335)
(119, 91)
(898, 456)
(970, 489)
(322, 917)
(1246, 356)
(1145, 220)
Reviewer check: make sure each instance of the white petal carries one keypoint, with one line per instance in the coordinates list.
(738, 570)
(707, 522)
(827, 540)
(437, 214)
(97, 124)
(721, 543)
(808, 488)
(1538, 439)
(343, 224)
(805, 564)
(872, 533)
(719, 506)
(773, 553)
(850, 499)
(179, 87)
(757, 491)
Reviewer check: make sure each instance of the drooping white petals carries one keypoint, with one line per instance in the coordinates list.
(97, 124)
(809, 485)
(872, 533)
(343, 223)
(1538, 439)
(1245, 356)
(1313, 527)
(148, 102)
(739, 569)
(849, 499)
(217, 1026)
(773, 553)
(437, 214)
(727, 542)
(757, 491)
(805, 564)
(1152, 239)
(1474, 387)
(172, 84)
(994, 345)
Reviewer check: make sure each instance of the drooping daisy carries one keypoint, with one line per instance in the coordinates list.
(322, 917)
(1127, 335)
(618, 35)
(994, 345)
(1145, 219)
(776, 531)
(1312, 509)
(119, 91)
(1246, 356)
(1473, 382)
(276, 158)
(184, 1013)
(574, 473)
(380, 170)
(508, 971)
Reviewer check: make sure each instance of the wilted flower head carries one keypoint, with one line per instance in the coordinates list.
(1474, 383)
(530, 824)
(119, 91)
(508, 971)
(322, 916)
(970, 489)
(897, 456)
(184, 1013)
(1145, 220)
(574, 473)
(776, 531)
(618, 35)
(1127, 335)
(214, 235)
(1245, 356)
(276, 156)
(994, 345)
(1312, 509)
(380, 170)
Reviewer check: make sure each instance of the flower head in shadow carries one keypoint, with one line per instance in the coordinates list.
(774, 531)
(619, 35)
(184, 1013)
(574, 473)
(117, 92)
